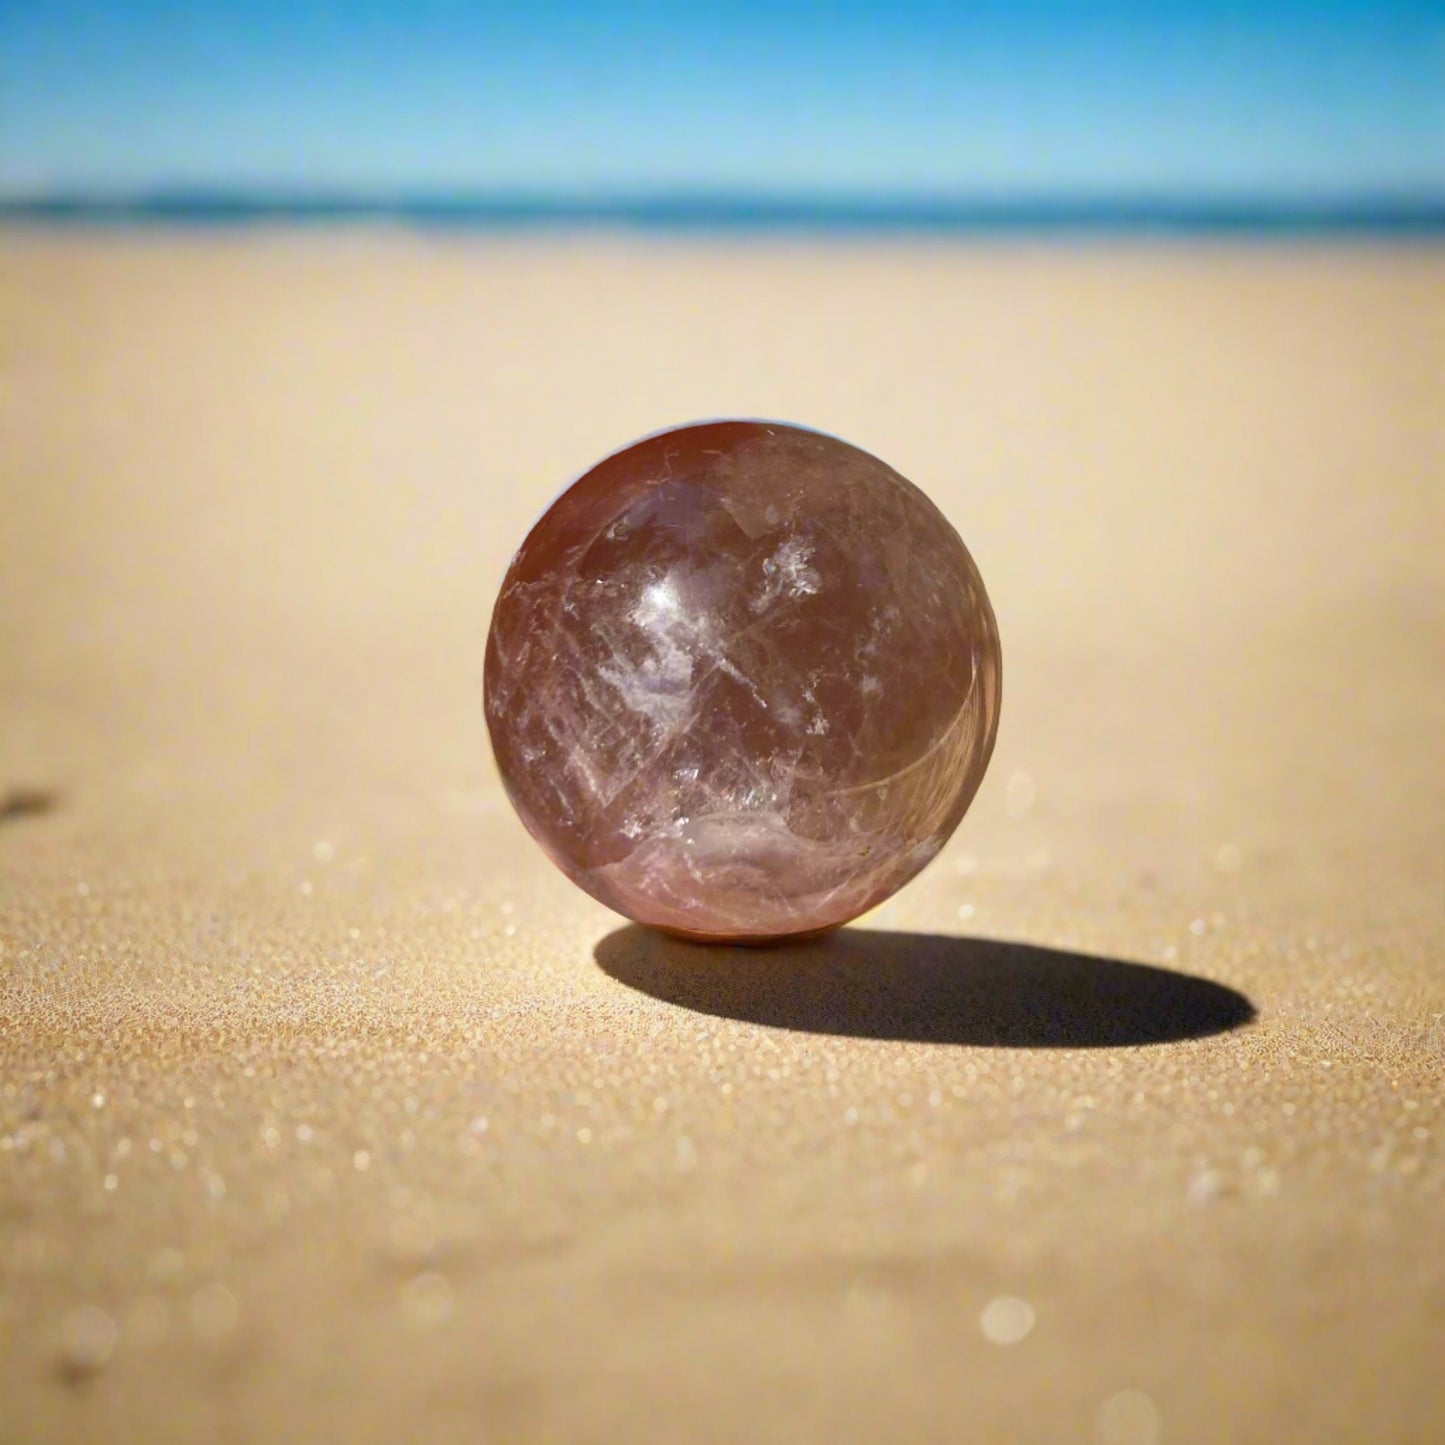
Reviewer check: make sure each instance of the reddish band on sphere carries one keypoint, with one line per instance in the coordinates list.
(742, 681)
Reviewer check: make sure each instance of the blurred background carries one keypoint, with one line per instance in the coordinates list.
(921, 113)
(1054, 261)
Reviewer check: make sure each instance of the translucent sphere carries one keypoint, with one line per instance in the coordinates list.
(742, 681)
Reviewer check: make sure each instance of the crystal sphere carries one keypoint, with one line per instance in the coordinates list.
(742, 681)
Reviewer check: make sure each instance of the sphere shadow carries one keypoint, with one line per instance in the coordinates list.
(928, 988)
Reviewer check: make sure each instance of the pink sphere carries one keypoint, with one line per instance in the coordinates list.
(742, 681)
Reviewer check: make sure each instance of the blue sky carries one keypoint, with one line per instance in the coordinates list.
(1291, 100)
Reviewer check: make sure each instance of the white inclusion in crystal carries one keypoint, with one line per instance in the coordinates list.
(660, 687)
(742, 855)
(657, 606)
(788, 574)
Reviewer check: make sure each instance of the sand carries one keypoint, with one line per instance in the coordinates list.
(329, 1111)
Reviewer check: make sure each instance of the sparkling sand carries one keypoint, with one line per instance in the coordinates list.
(329, 1110)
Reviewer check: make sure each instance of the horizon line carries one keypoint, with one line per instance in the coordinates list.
(739, 209)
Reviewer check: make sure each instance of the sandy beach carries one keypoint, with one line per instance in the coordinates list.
(330, 1111)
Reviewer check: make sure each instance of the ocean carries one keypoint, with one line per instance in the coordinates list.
(741, 214)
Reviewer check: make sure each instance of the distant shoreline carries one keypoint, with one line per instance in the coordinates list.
(740, 214)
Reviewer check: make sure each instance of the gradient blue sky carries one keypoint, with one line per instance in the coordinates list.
(1287, 100)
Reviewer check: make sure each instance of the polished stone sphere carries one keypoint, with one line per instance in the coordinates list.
(742, 681)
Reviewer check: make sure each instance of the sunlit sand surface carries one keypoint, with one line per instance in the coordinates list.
(329, 1110)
